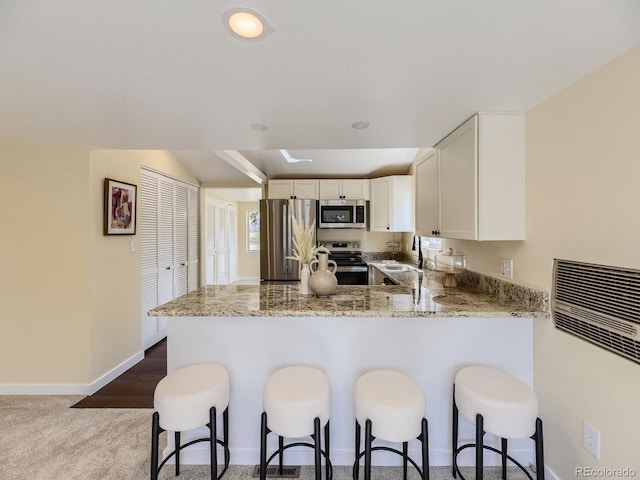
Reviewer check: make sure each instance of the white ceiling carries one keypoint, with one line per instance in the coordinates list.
(165, 74)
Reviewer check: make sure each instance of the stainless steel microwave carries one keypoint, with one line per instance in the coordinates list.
(342, 214)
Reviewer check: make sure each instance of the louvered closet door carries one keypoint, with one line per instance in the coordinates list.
(148, 228)
(180, 240)
(165, 241)
(192, 238)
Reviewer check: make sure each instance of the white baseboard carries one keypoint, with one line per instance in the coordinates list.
(115, 372)
(74, 388)
(549, 474)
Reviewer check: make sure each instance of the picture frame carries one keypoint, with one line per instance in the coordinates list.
(120, 203)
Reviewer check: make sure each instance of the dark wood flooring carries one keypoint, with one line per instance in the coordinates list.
(135, 387)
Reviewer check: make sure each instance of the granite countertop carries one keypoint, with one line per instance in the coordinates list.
(417, 295)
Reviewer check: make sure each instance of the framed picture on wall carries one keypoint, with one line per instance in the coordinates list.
(119, 207)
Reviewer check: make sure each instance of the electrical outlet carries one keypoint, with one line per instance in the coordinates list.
(591, 440)
(506, 268)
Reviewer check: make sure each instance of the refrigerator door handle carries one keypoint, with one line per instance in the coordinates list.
(286, 238)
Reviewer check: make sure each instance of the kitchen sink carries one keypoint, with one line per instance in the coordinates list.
(395, 268)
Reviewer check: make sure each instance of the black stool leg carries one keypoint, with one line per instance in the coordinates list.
(539, 451)
(425, 449)
(327, 462)
(225, 436)
(155, 434)
(317, 448)
(504, 458)
(356, 465)
(367, 450)
(263, 447)
(280, 454)
(405, 453)
(176, 440)
(454, 435)
(213, 427)
(479, 445)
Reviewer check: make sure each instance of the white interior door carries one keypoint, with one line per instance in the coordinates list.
(193, 254)
(222, 244)
(233, 244)
(210, 239)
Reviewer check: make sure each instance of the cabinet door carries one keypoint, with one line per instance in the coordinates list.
(401, 210)
(379, 208)
(427, 205)
(330, 189)
(355, 189)
(280, 189)
(459, 182)
(306, 189)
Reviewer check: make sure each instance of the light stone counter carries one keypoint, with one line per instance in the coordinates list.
(414, 297)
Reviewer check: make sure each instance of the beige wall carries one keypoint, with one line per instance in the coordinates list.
(70, 304)
(583, 169)
(44, 293)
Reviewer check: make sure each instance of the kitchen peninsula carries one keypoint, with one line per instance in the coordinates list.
(418, 326)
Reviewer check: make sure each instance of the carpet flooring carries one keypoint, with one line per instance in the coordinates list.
(44, 439)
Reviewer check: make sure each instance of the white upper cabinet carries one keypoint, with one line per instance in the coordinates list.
(350, 189)
(302, 189)
(391, 207)
(479, 181)
(426, 190)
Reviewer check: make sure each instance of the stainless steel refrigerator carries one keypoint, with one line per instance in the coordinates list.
(276, 236)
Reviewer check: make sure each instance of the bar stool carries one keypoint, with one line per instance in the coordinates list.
(297, 403)
(187, 398)
(392, 407)
(500, 404)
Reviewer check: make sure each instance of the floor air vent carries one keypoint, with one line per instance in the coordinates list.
(599, 304)
(288, 471)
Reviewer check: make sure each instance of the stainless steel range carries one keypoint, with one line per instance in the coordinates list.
(351, 269)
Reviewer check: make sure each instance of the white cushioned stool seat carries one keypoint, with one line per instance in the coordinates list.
(509, 407)
(293, 397)
(393, 402)
(184, 397)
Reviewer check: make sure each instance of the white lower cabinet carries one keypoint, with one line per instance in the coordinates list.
(168, 228)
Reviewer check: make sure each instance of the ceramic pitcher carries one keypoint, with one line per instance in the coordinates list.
(323, 280)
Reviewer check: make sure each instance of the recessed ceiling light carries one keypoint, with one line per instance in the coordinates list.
(246, 24)
(360, 125)
(258, 126)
